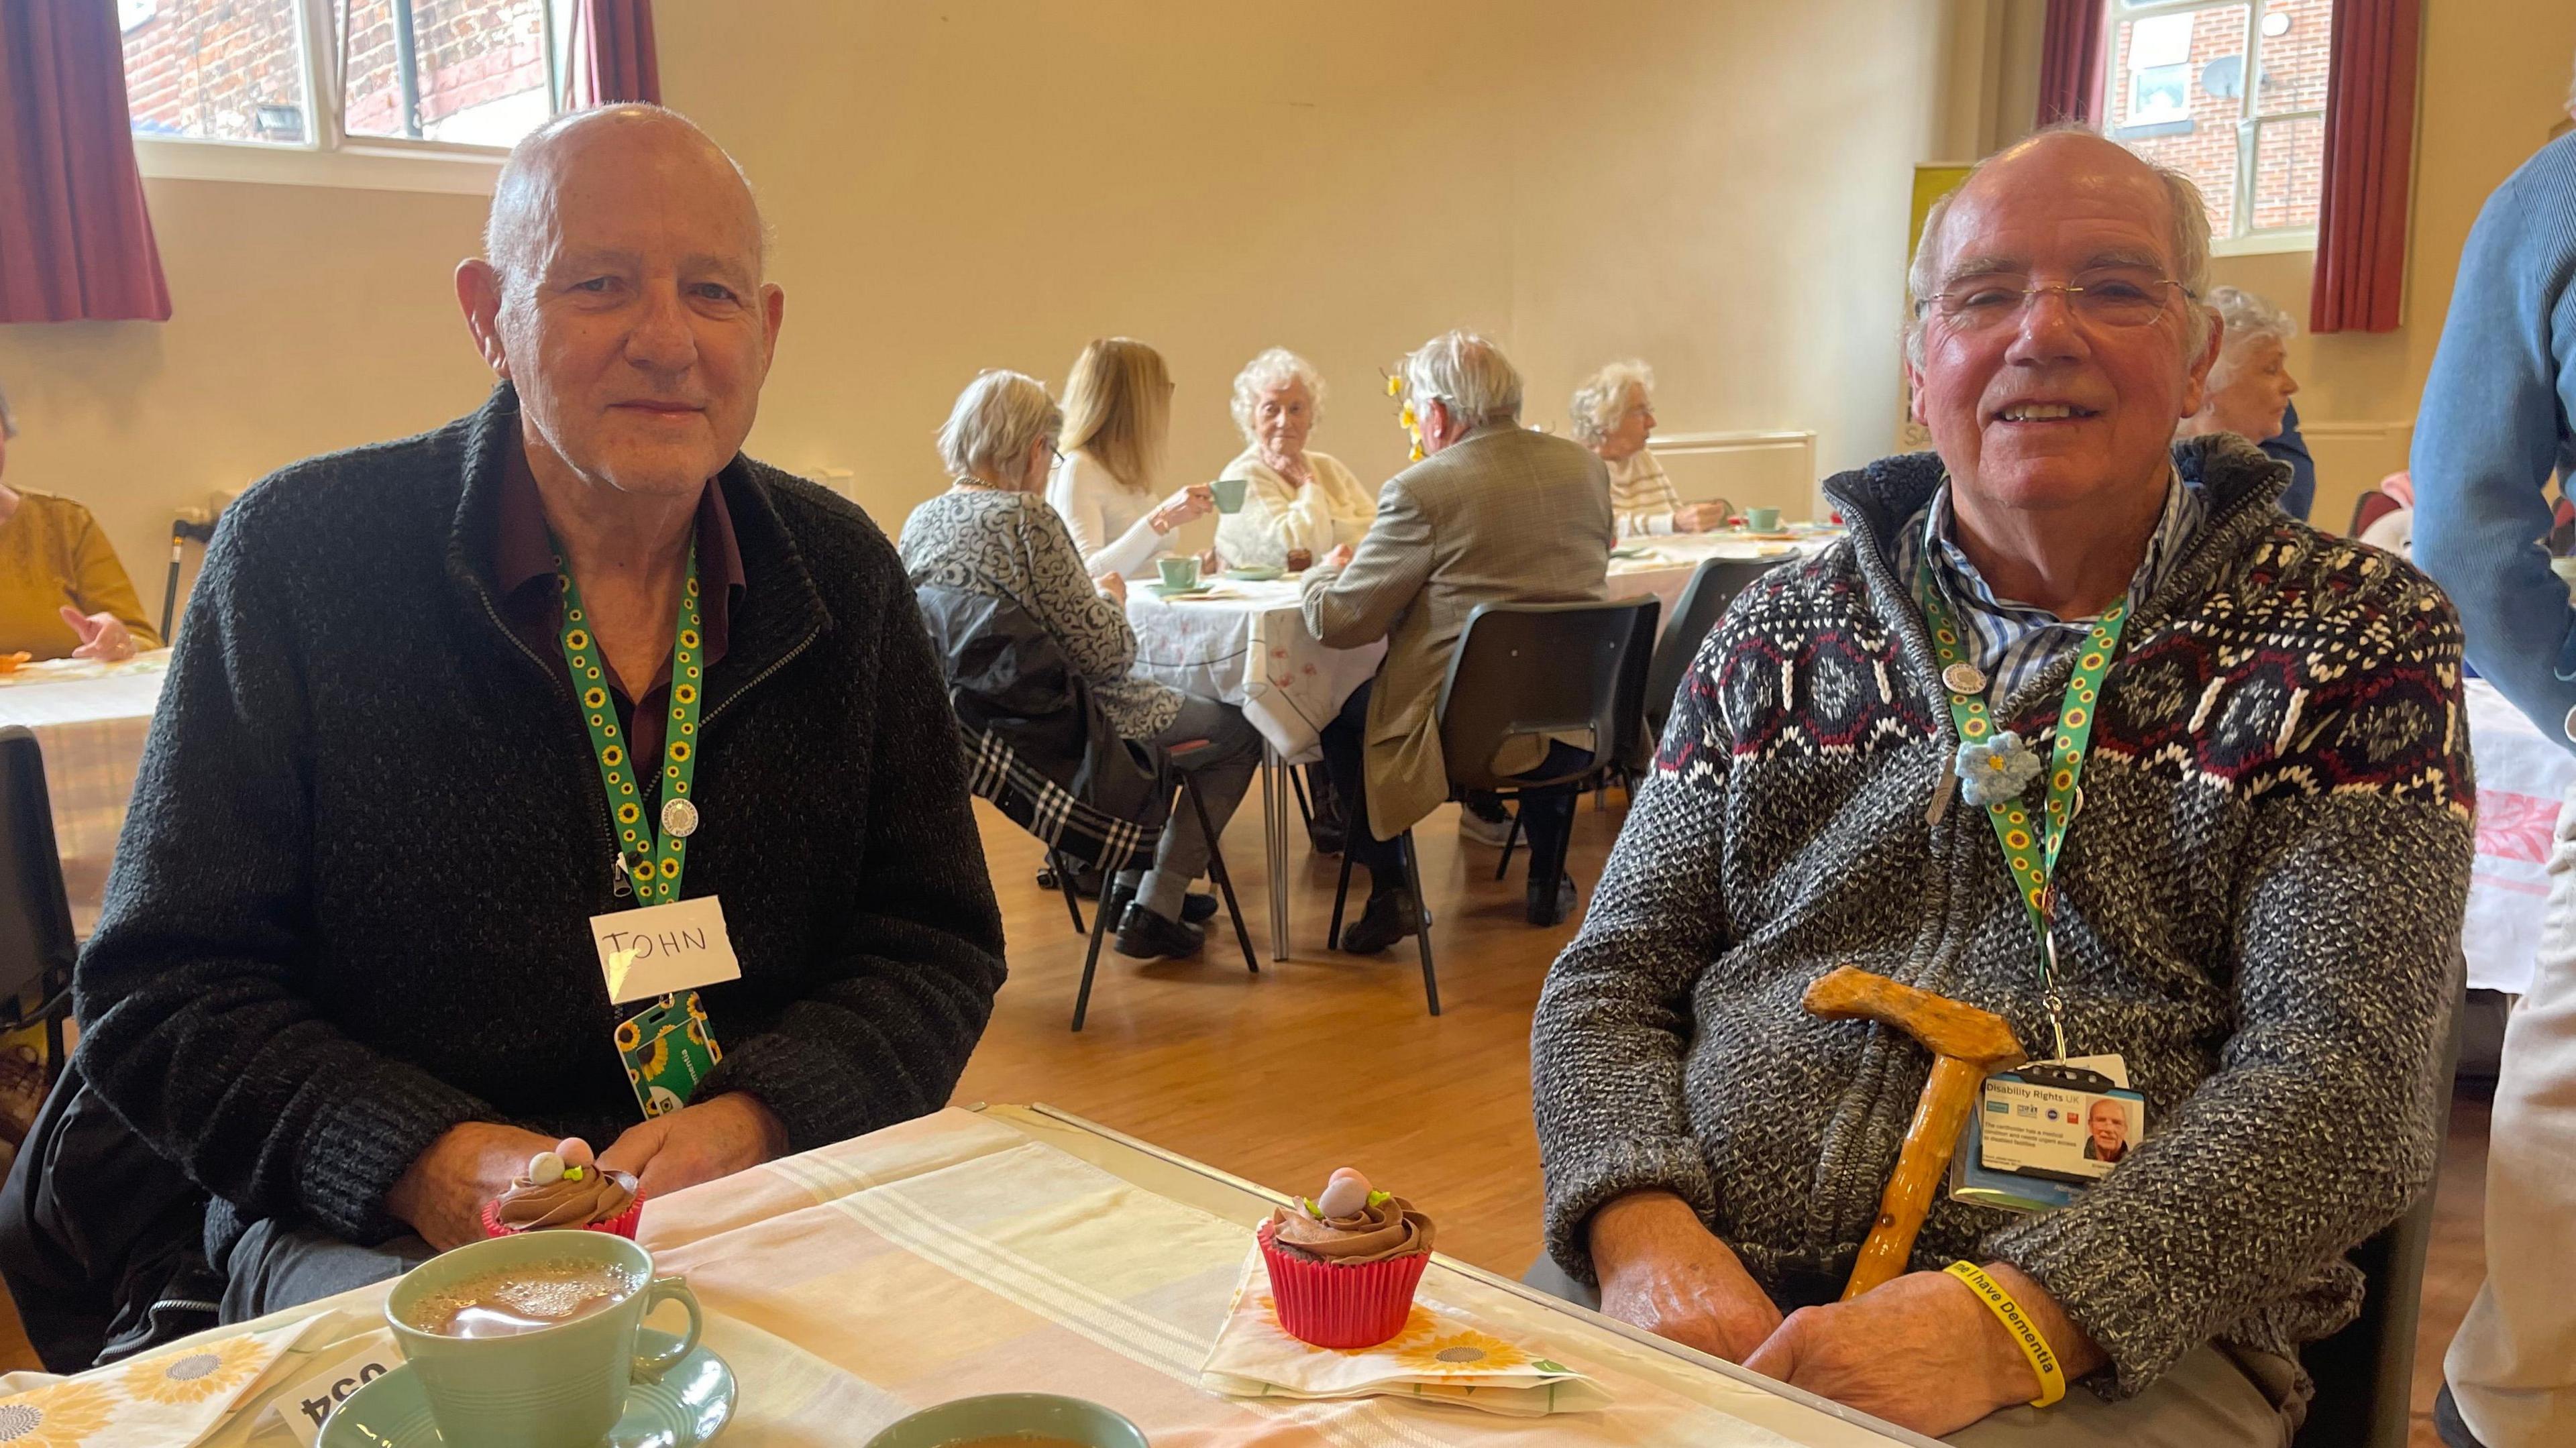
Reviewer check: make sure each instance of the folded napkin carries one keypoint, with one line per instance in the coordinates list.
(170, 1399)
(1440, 1355)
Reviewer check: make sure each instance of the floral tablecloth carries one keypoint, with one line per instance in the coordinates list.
(2523, 773)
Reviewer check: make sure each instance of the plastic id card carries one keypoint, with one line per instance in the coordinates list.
(2042, 1135)
(668, 1049)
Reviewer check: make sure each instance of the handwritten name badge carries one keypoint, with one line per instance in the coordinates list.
(663, 949)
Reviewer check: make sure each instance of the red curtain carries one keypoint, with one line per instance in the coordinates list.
(615, 61)
(75, 241)
(2071, 62)
(2369, 156)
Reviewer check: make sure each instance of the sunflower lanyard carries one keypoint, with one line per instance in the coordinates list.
(1994, 767)
(668, 1046)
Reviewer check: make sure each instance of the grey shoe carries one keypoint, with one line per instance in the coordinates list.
(1484, 822)
(2448, 1425)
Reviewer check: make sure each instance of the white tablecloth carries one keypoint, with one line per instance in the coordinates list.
(2523, 773)
(1665, 565)
(1246, 643)
(90, 720)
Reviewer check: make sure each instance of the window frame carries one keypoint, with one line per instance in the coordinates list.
(329, 155)
(2246, 239)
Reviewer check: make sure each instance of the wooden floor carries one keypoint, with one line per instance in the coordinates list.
(1325, 1060)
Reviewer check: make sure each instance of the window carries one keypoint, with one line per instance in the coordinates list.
(2231, 93)
(338, 75)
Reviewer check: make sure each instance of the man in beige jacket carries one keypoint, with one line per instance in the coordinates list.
(1493, 513)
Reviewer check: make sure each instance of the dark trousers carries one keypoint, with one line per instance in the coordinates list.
(1547, 814)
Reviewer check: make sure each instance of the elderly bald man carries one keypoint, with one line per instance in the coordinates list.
(450, 705)
(2076, 728)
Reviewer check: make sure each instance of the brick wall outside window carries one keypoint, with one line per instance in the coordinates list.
(2289, 177)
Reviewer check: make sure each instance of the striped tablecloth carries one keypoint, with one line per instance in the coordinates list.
(90, 720)
(1021, 1250)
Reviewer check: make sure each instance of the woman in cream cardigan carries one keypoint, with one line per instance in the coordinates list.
(1299, 505)
(1117, 418)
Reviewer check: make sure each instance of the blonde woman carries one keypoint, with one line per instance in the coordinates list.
(1613, 413)
(1117, 418)
(1299, 504)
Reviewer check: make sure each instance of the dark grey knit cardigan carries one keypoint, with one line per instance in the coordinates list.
(348, 909)
(2261, 898)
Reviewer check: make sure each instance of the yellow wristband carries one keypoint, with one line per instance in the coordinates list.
(2043, 1358)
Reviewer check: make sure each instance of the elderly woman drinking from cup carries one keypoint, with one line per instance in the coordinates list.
(1296, 504)
(991, 533)
(1613, 411)
(62, 592)
(1117, 418)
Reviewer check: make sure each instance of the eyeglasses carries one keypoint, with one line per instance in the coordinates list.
(2106, 298)
(1059, 452)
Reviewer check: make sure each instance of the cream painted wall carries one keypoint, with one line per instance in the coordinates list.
(304, 319)
(1718, 188)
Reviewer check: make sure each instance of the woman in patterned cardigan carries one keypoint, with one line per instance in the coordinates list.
(992, 532)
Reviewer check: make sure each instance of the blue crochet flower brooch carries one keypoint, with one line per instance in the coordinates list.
(1996, 770)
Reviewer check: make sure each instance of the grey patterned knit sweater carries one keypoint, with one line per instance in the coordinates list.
(2260, 900)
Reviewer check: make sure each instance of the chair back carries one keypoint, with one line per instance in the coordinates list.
(1713, 585)
(36, 943)
(2365, 1374)
(2369, 508)
(1535, 669)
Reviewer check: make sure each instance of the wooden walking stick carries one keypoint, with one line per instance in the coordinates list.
(1966, 1045)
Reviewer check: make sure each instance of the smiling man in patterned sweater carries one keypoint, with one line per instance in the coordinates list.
(2255, 910)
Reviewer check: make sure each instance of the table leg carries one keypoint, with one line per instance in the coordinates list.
(1274, 841)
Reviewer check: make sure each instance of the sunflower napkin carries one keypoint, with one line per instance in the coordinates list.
(170, 1399)
(1439, 1355)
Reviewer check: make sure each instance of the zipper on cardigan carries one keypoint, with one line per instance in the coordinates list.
(782, 661)
(607, 826)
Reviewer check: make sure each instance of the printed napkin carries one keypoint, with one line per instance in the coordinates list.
(1439, 1355)
(170, 1399)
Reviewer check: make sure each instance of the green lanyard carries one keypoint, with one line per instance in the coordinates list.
(2033, 857)
(654, 862)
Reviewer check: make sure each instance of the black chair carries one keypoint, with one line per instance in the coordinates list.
(1525, 670)
(1713, 585)
(1109, 894)
(36, 944)
(2365, 1374)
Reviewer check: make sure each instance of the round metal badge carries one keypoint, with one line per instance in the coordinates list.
(679, 818)
(1964, 679)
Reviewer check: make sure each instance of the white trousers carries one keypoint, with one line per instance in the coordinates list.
(2512, 1368)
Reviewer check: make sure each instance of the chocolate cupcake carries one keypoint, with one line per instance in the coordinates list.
(1343, 1265)
(566, 1188)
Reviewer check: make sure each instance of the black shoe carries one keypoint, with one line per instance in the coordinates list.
(1327, 837)
(1389, 918)
(2448, 1425)
(1198, 909)
(1144, 935)
(1544, 910)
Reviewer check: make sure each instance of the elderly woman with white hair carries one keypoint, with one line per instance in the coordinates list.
(2250, 387)
(1298, 504)
(1614, 412)
(994, 533)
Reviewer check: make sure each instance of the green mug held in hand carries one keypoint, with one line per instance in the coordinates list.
(550, 1387)
(1229, 493)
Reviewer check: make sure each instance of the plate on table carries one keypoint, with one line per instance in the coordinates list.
(1627, 552)
(1255, 574)
(690, 1406)
(1774, 537)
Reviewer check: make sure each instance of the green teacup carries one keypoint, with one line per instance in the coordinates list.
(1229, 493)
(555, 1387)
(1762, 520)
(1000, 1415)
(1179, 572)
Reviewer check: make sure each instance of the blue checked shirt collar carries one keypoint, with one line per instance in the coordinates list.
(2013, 643)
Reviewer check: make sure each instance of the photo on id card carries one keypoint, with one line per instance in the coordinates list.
(2044, 1134)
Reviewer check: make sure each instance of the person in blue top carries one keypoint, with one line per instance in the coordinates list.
(2493, 426)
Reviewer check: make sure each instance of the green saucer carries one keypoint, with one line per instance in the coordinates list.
(1165, 590)
(1627, 552)
(691, 1405)
(1259, 573)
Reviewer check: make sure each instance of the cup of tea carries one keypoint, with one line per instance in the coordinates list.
(1012, 1420)
(1762, 520)
(1229, 493)
(1179, 572)
(528, 1341)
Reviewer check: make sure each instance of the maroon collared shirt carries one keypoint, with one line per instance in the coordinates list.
(523, 564)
